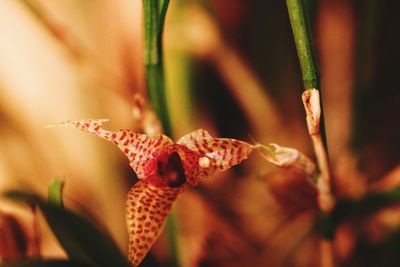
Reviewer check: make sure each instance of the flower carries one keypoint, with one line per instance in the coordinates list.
(165, 170)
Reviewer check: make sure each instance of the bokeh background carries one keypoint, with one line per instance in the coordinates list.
(231, 68)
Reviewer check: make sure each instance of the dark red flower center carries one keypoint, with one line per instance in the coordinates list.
(169, 171)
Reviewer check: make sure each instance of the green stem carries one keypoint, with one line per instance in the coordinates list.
(310, 73)
(55, 191)
(302, 37)
(154, 16)
(305, 50)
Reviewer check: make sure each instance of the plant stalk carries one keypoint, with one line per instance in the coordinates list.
(312, 101)
(154, 17)
(302, 37)
(311, 97)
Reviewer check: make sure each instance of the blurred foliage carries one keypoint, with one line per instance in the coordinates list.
(84, 59)
(82, 241)
(47, 263)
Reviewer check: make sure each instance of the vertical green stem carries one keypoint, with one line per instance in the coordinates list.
(305, 50)
(154, 17)
(311, 79)
(302, 37)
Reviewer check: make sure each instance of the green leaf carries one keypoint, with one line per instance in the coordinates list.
(81, 240)
(55, 190)
(46, 263)
(163, 7)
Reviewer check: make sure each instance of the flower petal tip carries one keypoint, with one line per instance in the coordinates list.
(69, 123)
(58, 124)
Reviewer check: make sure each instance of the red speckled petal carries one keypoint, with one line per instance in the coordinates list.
(147, 208)
(137, 147)
(223, 152)
(196, 164)
(90, 126)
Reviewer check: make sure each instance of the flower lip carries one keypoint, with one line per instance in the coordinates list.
(169, 171)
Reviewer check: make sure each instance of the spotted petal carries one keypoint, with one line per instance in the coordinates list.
(139, 148)
(223, 152)
(147, 208)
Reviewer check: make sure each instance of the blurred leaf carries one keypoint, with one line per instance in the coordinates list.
(356, 208)
(55, 192)
(30, 198)
(57, 30)
(46, 263)
(81, 239)
(382, 254)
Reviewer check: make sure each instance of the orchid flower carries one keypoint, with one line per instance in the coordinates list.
(165, 170)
